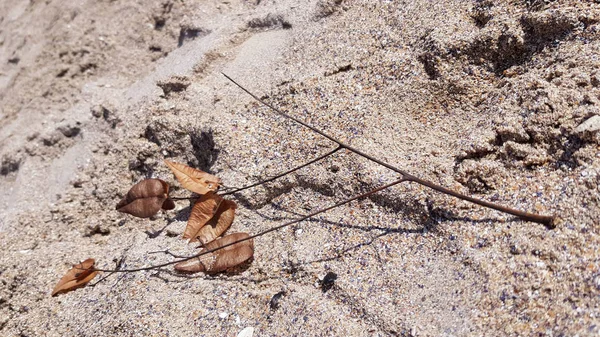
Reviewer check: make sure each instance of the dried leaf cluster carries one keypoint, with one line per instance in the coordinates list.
(211, 216)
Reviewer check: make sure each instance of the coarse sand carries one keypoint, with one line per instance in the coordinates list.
(495, 99)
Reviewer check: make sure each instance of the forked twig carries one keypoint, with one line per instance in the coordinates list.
(546, 220)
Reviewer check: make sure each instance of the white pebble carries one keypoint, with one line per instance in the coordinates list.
(591, 124)
(247, 332)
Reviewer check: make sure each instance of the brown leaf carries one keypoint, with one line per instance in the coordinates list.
(194, 180)
(218, 224)
(204, 209)
(146, 198)
(76, 277)
(221, 259)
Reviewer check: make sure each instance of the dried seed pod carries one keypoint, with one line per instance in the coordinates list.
(218, 224)
(194, 180)
(168, 205)
(221, 259)
(204, 209)
(146, 198)
(76, 277)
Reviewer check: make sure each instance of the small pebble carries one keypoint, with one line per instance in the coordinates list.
(591, 124)
(274, 302)
(246, 332)
(328, 281)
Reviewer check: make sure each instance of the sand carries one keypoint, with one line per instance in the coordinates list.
(495, 99)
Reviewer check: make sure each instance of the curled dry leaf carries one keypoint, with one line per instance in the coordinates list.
(146, 198)
(194, 180)
(221, 259)
(204, 209)
(218, 224)
(76, 277)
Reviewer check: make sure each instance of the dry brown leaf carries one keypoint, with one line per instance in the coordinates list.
(218, 224)
(76, 277)
(222, 259)
(194, 180)
(204, 209)
(146, 198)
(233, 255)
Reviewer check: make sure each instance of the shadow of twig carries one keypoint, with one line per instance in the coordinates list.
(182, 215)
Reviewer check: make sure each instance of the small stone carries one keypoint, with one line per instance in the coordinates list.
(328, 281)
(223, 315)
(590, 125)
(246, 332)
(274, 303)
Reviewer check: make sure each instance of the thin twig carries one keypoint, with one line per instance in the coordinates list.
(117, 267)
(270, 178)
(548, 221)
(167, 252)
(284, 173)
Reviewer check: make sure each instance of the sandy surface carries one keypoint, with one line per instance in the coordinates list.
(495, 99)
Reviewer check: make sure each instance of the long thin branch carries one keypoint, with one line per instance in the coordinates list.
(546, 220)
(364, 195)
(284, 173)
